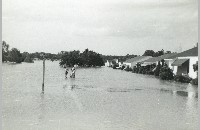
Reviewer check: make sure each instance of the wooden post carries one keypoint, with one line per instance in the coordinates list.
(43, 74)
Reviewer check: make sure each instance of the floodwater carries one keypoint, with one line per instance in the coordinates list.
(97, 99)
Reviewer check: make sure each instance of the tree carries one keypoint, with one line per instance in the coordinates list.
(149, 53)
(5, 50)
(159, 53)
(28, 59)
(157, 69)
(87, 58)
(166, 73)
(195, 66)
(24, 55)
(15, 56)
(168, 52)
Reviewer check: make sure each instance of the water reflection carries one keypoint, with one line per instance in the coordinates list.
(41, 115)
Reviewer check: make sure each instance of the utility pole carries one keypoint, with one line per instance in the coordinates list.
(43, 73)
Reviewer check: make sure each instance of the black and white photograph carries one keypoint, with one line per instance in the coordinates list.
(99, 65)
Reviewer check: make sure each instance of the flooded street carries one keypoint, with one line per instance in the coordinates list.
(97, 99)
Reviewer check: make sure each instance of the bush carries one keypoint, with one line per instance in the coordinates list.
(28, 59)
(128, 68)
(115, 66)
(122, 67)
(182, 79)
(166, 73)
(194, 81)
(142, 70)
(135, 69)
(157, 70)
(150, 72)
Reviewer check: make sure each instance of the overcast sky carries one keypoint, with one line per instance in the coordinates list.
(116, 27)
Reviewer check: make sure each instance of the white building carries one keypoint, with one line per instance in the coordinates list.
(156, 60)
(182, 63)
(133, 61)
(108, 63)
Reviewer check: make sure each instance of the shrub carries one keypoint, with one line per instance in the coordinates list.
(182, 78)
(28, 59)
(157, 70)
(194, 81)
(135, 69)
(115, 66)
(166, 73)
(122, 67)
(142, 70)
(150, 72)
(128, 68)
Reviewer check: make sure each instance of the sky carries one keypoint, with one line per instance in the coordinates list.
(109, 27)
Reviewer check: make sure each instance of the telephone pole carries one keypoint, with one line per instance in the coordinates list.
(43, 74)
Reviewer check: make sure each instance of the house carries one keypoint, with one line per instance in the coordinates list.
(120, 64)
(108, 63)
(133, 61)
(183, 62)
(156, 60)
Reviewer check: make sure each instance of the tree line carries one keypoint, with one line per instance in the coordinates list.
(155, 54)
(14, 55)
(68, 58)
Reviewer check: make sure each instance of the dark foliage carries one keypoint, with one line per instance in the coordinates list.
(14, 55)
(157, 70)
(155, 54)
(127, 68)
(195, 67)
(5, 51)
(86, 59)
(28, 59)
(182, 79)
(166, 73)
(134, 69)
(142, 70)
(194, 81)
(122, 67)
(150, 72)
(115, 66)
(159, 53)
(48, 56)
(149, 53)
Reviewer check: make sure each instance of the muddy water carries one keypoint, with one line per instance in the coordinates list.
(97, 99)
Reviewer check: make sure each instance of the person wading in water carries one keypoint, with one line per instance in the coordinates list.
(66, 72)
(73, 73)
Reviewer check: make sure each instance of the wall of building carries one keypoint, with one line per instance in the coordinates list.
(127, 64)
(183, 69)
(192, 61)
(107, 64)
(192, 73)
(175, 68)
(169, 63)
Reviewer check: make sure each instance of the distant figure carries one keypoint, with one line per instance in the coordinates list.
(66, 72)
(73, 73)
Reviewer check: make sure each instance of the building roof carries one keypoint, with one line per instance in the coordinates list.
(179, 62)
(137, 59)
(187, 53)
(159, 58)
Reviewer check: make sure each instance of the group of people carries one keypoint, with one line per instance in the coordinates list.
(72, 75)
